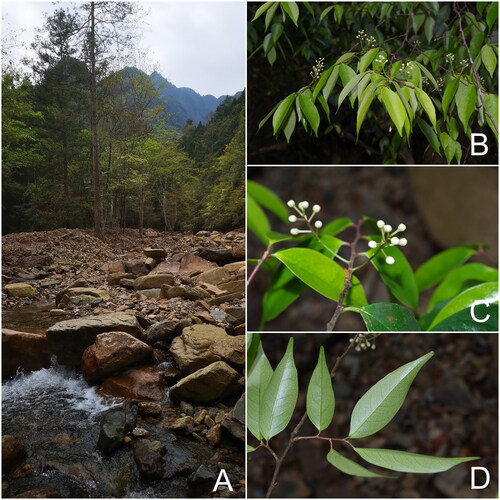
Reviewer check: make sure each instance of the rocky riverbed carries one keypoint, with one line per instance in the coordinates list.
(123, 364)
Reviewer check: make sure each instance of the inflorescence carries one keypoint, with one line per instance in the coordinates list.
(301, 208)
(319, 66)
(363, 341)
(388, 239)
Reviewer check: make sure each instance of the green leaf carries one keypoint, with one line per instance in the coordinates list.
(253, 342)
(349, 88)
(325, 13)
(270, 14)
(403, 461)
(320, 402)
(458, 279)
(429, 75)
(387, 317)
(330, 82)
(378, 406)
(262, 9)
(338, 11)
(491, 105)
(430, 135)
(258, 380)
(320, 273)
(280, 397)
(292, 10)
(264, 120)
(267, 199)
(367, 59)
(489, 59)
(492, 15)
(429, 28)
(282, 112)
(437, 267)
(310, 112)
(347, 74)
(394, 107)
(426, 103)
(462, 321)
(289, 127)
(321, 82)
(365, 103)
(466, 102)
(257, 220)
(448, 145)
(250, 449)
(336, 226)
(350, 467)
(487, 292)
(398, 277)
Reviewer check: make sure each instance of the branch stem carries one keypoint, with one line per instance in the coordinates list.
(264, 257)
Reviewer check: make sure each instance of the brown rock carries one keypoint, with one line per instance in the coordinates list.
(235, 266)
(155, 252)
(214, 276)
(115, 278)
(144, 383)
(115, 267)
(165, 268)
(181, 423)
(239, 251)
(20, 290)
(231, 349)
(136, 267)
(153, 281)
(213, 436)
(233, 286)
(191, 263)
(25, 351)
(112, 352)
(175, 291)
(149, 409)
(13, 453)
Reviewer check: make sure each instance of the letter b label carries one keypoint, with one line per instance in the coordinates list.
(478, 144)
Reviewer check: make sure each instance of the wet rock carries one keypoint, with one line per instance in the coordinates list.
(112, 352)
(202, 476)
(20, 290)
(63, 439)
(208, 421)
(191, 350)
(190, 263)
(148, 459)
(214, 382)
(116, 278)
(186, 408)
(149, 409)
(181, 423)
(153, 281)
(24, 351)
(58, 312)
(115, 425)
(162, 331)
(214, 434)
(145, 383)
(200, 416)
(155, 252)
(140, 432)
(69, 339)
(214, 276)
(38, 493)
(136, 267)
(13, 453)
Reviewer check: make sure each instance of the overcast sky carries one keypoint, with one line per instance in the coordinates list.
(200, 45)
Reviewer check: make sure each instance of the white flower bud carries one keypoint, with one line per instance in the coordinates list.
(318, 224)
(294, 231)
(401, 227)
(395, 240)
(387, 228)
(291, 203)
(390, 260)
(304, 204)
(403, 242)
(316, 209)
(380, 224)
(292, 218)
(372, 244)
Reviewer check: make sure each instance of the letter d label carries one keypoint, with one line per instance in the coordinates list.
(476, 144)
(473, 483)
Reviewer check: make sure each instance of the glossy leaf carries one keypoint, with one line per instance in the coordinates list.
(270, 14)
(437, 267)
(427, 105)
(489, 59)
(466, 102)
(322, 81)
(349, 88)
(290, 124)
(280, 396)
(250, 449)
(257, 220)
(402, 461)
(429, 133)
(267, 199)
(292, 10)
(348, 466)
(492, 14)
(258, 380)
(282, 112)
(261, 10)
(456, 281)
(310, 112)
(320, 402)
(491, 105)
(253, 342)
(487, 292)
(449, 93)
(366, 59)
(365, 103)
(429, 75)
(336, 226)
(330, 82)
(462, 321)
(448, 145)
(387, 317)
(378, 406)
(264, 120)
(394, 107)
(325, 13)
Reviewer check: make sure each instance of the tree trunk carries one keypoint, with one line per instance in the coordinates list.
(93, 127)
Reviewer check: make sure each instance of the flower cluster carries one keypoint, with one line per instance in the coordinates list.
(449, 57)
(301, 209)
(464, 63)
(319, 66)
(369, 39)
(407, 68)
(381, 58)
(363, 341)
(388, 239)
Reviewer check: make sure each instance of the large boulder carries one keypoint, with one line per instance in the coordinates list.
(191, 263)
(153, 281)
(144, 383)
(20, 290)
(165, 268)
(148, 457)
(136, 267)
(69, 339)
(164, 330)
(230, 349)
(112, 352)
(219, 255)
(191, 350)
(13, 453)
(115, 425)
(214, 382)
(25, 351)
(214, 276)
(93, 292)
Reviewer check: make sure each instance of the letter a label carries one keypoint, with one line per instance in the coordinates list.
(222, 480)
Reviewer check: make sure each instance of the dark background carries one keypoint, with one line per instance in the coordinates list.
(441, 207)
(451, 410)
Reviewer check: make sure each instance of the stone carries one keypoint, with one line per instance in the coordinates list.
(151, 293)
(38, 493)
(153, 281)
(151, 263)
(149, 409)
(165, 268)
(149, 460)
(115, 267)
(69, 339)
(191, 263)
(214, 276)
(58, 312)
(234, 422)
(191, 350)
(163, 331)
(231, 349)
(136, 267)
(20, 290)
(186, 408)
(85, 300)
(219, 255)
(202, 475)
(127, 282)
(78, 283)
(139, 432)
(199, 416)
(208, 421)
(214, 434)
(191, 293)
(235, 266)
(115, 424)
(92, 292)
(144, 383)
(116, 278)
(235, 315)
(112, 352)
(175, 291)
(13, 453)
(238, 251)
(181, 423)
(214, 382)
(160, 253)
(23, 351)
(233, 286)
(226, 298)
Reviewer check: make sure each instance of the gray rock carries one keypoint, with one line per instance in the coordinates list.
(186, 408)
(219, 255)
(149, 460)
(151, 293)
(162, 331)
(115, 425)
(136, 267)
(235, 315)
(85, 300)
